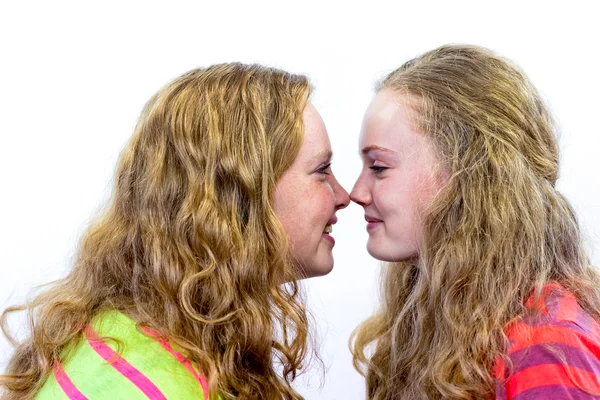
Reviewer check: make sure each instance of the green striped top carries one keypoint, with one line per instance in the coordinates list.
(146, 366)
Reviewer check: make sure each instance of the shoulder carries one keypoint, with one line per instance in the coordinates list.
(554, 351)
(114, 357)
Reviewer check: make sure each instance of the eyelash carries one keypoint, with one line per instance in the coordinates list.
(377, 169)
(324, 168)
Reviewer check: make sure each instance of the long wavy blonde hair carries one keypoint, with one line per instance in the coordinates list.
(189, 244)
(496, 233)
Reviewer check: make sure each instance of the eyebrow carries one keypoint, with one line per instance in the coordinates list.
(367, 149)
(327, 154)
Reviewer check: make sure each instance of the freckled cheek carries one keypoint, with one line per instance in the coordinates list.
(329, 200)
(301, 240)
(321, 193)
(319, 207)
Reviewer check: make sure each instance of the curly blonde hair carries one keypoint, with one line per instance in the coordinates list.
(498, 231)
(189, 244)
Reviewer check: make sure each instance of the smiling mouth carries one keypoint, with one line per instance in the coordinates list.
(372, 223)
(326, 234)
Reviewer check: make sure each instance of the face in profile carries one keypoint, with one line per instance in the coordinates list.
(398, 179)
(307, 197)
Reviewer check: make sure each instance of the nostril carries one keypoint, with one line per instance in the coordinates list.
(355, 198)
(343, 201)
(360, 203)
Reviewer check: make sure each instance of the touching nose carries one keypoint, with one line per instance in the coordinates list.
(342, 199)
(360, 194)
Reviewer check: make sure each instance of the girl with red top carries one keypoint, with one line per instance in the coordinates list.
(488, 292)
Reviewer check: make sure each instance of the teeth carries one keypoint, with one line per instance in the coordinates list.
(328, 229)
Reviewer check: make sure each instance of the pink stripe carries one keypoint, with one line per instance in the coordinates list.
(65, 383)
(179, 357)
(121, 365)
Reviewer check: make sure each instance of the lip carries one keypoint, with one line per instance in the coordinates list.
(372, 223)
(327, 236)
(368, 218)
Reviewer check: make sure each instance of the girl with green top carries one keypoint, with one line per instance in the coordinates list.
(186, 285)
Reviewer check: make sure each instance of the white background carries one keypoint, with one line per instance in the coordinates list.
(74, 77)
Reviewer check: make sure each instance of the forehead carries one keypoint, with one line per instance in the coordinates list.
(316, 140)
(388, 121)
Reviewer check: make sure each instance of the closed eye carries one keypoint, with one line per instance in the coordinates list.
(377, 169)
(324, 169)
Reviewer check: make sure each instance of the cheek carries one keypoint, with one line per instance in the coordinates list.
(392, 197)
(318, 199)
(306, 210)
(327, 196)
(430, 188)
(400, 204)
(286, 205)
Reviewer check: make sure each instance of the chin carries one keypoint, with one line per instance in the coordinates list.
(320, 269)
(380, 257)
(382, 253)
(376, 252)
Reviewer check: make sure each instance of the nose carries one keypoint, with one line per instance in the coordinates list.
(342, 199)
(360, 193)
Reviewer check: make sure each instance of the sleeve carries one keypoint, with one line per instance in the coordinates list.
(555, 362)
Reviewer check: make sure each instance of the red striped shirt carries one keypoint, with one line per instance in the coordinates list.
(554, 351)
